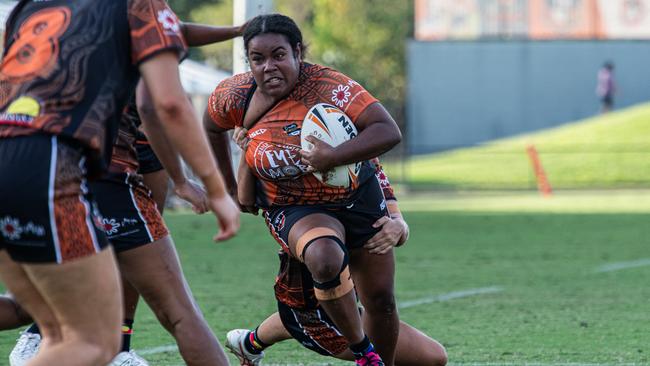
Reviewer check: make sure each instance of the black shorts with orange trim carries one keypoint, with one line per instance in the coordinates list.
(129, 213)
(357, 216)
(46, 212)
(147, 160)
(313, 329)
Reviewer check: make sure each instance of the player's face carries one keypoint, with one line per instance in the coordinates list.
(275, 65)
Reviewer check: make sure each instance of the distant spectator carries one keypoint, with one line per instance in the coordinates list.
(606, 87)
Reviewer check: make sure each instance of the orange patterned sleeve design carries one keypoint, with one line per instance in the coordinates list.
(154, 28)
(227, 103)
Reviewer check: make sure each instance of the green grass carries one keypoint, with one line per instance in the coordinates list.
(554, 308)
(610, 151)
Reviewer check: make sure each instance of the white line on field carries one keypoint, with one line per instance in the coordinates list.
(624, 265)
(450, 296)
(173, 348)
(160, 349)
(403, 305)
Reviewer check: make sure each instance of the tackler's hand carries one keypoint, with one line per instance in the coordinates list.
(240, 136)
(393, 232)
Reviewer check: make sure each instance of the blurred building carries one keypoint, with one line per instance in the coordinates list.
(484, 69)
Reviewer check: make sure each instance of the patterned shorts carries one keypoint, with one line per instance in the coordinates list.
(47, 214)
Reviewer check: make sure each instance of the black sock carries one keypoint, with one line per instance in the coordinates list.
(253, 343)
(33, 329)
(127, 331)
(362, 347)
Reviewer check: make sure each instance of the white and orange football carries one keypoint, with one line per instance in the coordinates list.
(328, 123)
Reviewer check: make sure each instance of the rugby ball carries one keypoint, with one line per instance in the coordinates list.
(329, 124)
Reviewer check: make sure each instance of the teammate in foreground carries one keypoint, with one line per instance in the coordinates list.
(131, 221)
(66, 74)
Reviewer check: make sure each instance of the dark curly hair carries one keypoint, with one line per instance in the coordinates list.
(274, 23)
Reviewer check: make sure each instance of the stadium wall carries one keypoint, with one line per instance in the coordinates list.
(464, 93)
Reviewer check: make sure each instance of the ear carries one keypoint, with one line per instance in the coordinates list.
(297, 52)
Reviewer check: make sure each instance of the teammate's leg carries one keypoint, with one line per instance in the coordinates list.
(315, 239)
(80, 322)
(374, 279)
(157, 182)
(12, 315)
(14, 276)
(155, 271)
(414, 348)
(131, 298)
(249, 345)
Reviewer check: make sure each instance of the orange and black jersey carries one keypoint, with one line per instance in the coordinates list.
(69, 67)
(273, 153)
(125, 158)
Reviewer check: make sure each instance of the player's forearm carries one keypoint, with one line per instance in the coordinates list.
(168, 156)
(393, 209)
(200, 34)
(220, 144)
(373, 141)
(178, 119)
(164, 150)
(187, 137)
(245, 184)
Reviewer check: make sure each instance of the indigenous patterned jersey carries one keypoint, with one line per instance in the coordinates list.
(124, 158)
(69, 67)
(294, 284)
(273, 153)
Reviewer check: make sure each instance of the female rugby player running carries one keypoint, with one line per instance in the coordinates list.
(300, 317)
(322, 226)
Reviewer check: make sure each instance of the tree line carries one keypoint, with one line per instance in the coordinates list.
(365, 39)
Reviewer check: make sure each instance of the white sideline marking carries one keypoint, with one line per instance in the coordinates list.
(403, 305)
(450, 296)
(155, 350)
(624, 265)
(173, 348)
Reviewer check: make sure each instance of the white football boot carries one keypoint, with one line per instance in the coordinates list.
(25, 349)
(128, 359)
(235, 343)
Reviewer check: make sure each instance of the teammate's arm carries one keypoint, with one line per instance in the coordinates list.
(246, 187)
(181, 126)
(220, 143)
(169, 158)
(394, 229)
(200, 34)
(394, 232)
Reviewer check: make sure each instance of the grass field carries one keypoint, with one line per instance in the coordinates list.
(548, 298)
(608, 151)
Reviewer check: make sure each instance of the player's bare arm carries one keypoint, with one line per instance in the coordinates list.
(178, 119)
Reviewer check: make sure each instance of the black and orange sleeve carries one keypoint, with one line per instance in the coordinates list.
(227, 103)
(154, 29)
